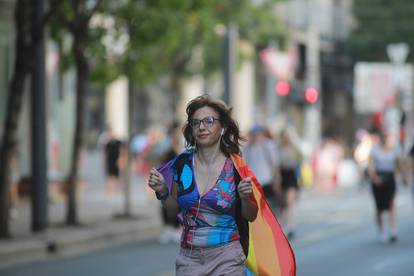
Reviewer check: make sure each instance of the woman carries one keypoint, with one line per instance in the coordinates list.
(383, 163)
(288, 165)
(208, 192)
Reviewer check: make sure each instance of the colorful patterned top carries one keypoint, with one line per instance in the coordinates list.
(212, 222)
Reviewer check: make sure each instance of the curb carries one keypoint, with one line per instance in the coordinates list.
(71, 241)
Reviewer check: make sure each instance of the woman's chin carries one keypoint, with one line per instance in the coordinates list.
(205, 143)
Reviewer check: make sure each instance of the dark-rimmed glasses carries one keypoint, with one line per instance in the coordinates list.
(207, 122)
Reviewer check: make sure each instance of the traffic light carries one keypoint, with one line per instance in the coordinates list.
(282, 88)
(311, 95)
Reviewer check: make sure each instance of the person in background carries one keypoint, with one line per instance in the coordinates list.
(114, 163)
(410, 170)
(103, 138)
(14, 187)
(208, 193)
(137, 147)
(289, 163)
(364, 143)
(172, 229)
(384, 163)
(261, 155)
(327, 160)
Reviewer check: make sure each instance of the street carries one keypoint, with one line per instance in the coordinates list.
(335, 236)
(315, 103)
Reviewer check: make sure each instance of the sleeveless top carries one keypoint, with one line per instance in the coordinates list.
(212, 222)
(384, 160)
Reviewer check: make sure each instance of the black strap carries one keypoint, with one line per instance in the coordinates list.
(242, 223)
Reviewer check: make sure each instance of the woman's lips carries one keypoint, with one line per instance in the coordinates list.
(202, 136)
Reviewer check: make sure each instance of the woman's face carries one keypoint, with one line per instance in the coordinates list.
(206, 126)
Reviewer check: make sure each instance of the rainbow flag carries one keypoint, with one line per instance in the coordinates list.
(270, 253)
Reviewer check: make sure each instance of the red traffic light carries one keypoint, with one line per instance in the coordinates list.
(282, 88)
(311, 95)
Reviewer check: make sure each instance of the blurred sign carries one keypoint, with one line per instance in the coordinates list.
(281, 64)
(398, 52)
(375, 87)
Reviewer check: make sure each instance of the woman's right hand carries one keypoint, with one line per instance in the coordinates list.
(156, 181)
(377, 180)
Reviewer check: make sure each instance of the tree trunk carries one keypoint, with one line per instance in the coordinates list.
(22, 66)
(82, 73)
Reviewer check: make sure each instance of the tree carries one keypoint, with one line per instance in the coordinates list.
(75, 16)
(171, 32)
(379, 23)
(26, 42)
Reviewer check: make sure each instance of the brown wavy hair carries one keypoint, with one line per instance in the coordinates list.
(230, 140)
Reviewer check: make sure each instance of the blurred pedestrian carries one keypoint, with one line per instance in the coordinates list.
(14, 187)
(327, 160)
(208, 192)
(364, 143)
(155, 145)
(172, 230)
(103, 138)
(409, 174)
(138, 144)
(384, 163)
(261, 155)
(289, 164)
(114, 163)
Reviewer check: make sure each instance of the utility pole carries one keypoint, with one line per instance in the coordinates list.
(313, 118)
(39, 141)
(230, 41)
(272, 99)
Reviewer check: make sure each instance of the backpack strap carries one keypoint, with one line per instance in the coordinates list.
(242, 223)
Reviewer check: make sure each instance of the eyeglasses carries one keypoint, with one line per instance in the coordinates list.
(207, 122)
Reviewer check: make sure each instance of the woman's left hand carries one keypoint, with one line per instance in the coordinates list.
(245, 188)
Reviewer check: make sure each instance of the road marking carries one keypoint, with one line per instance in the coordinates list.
(381, 265)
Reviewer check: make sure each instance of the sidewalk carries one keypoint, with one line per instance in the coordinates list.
(101, 224)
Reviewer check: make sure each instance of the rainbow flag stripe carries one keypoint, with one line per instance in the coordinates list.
(269, 251)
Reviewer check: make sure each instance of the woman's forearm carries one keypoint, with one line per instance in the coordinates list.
(249, 208)
(171, 205)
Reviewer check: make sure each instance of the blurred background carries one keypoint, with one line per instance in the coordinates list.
(85, 84)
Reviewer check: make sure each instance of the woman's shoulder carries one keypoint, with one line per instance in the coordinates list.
(183, 157)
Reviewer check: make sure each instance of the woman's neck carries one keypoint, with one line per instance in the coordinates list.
(207, 155)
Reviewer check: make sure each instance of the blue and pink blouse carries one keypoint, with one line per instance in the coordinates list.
(208, 222)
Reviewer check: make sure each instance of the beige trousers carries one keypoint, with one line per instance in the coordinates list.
(228, 259)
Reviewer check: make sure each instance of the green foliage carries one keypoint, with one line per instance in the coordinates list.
(379, 23)
(163, 35)
(260, 26)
